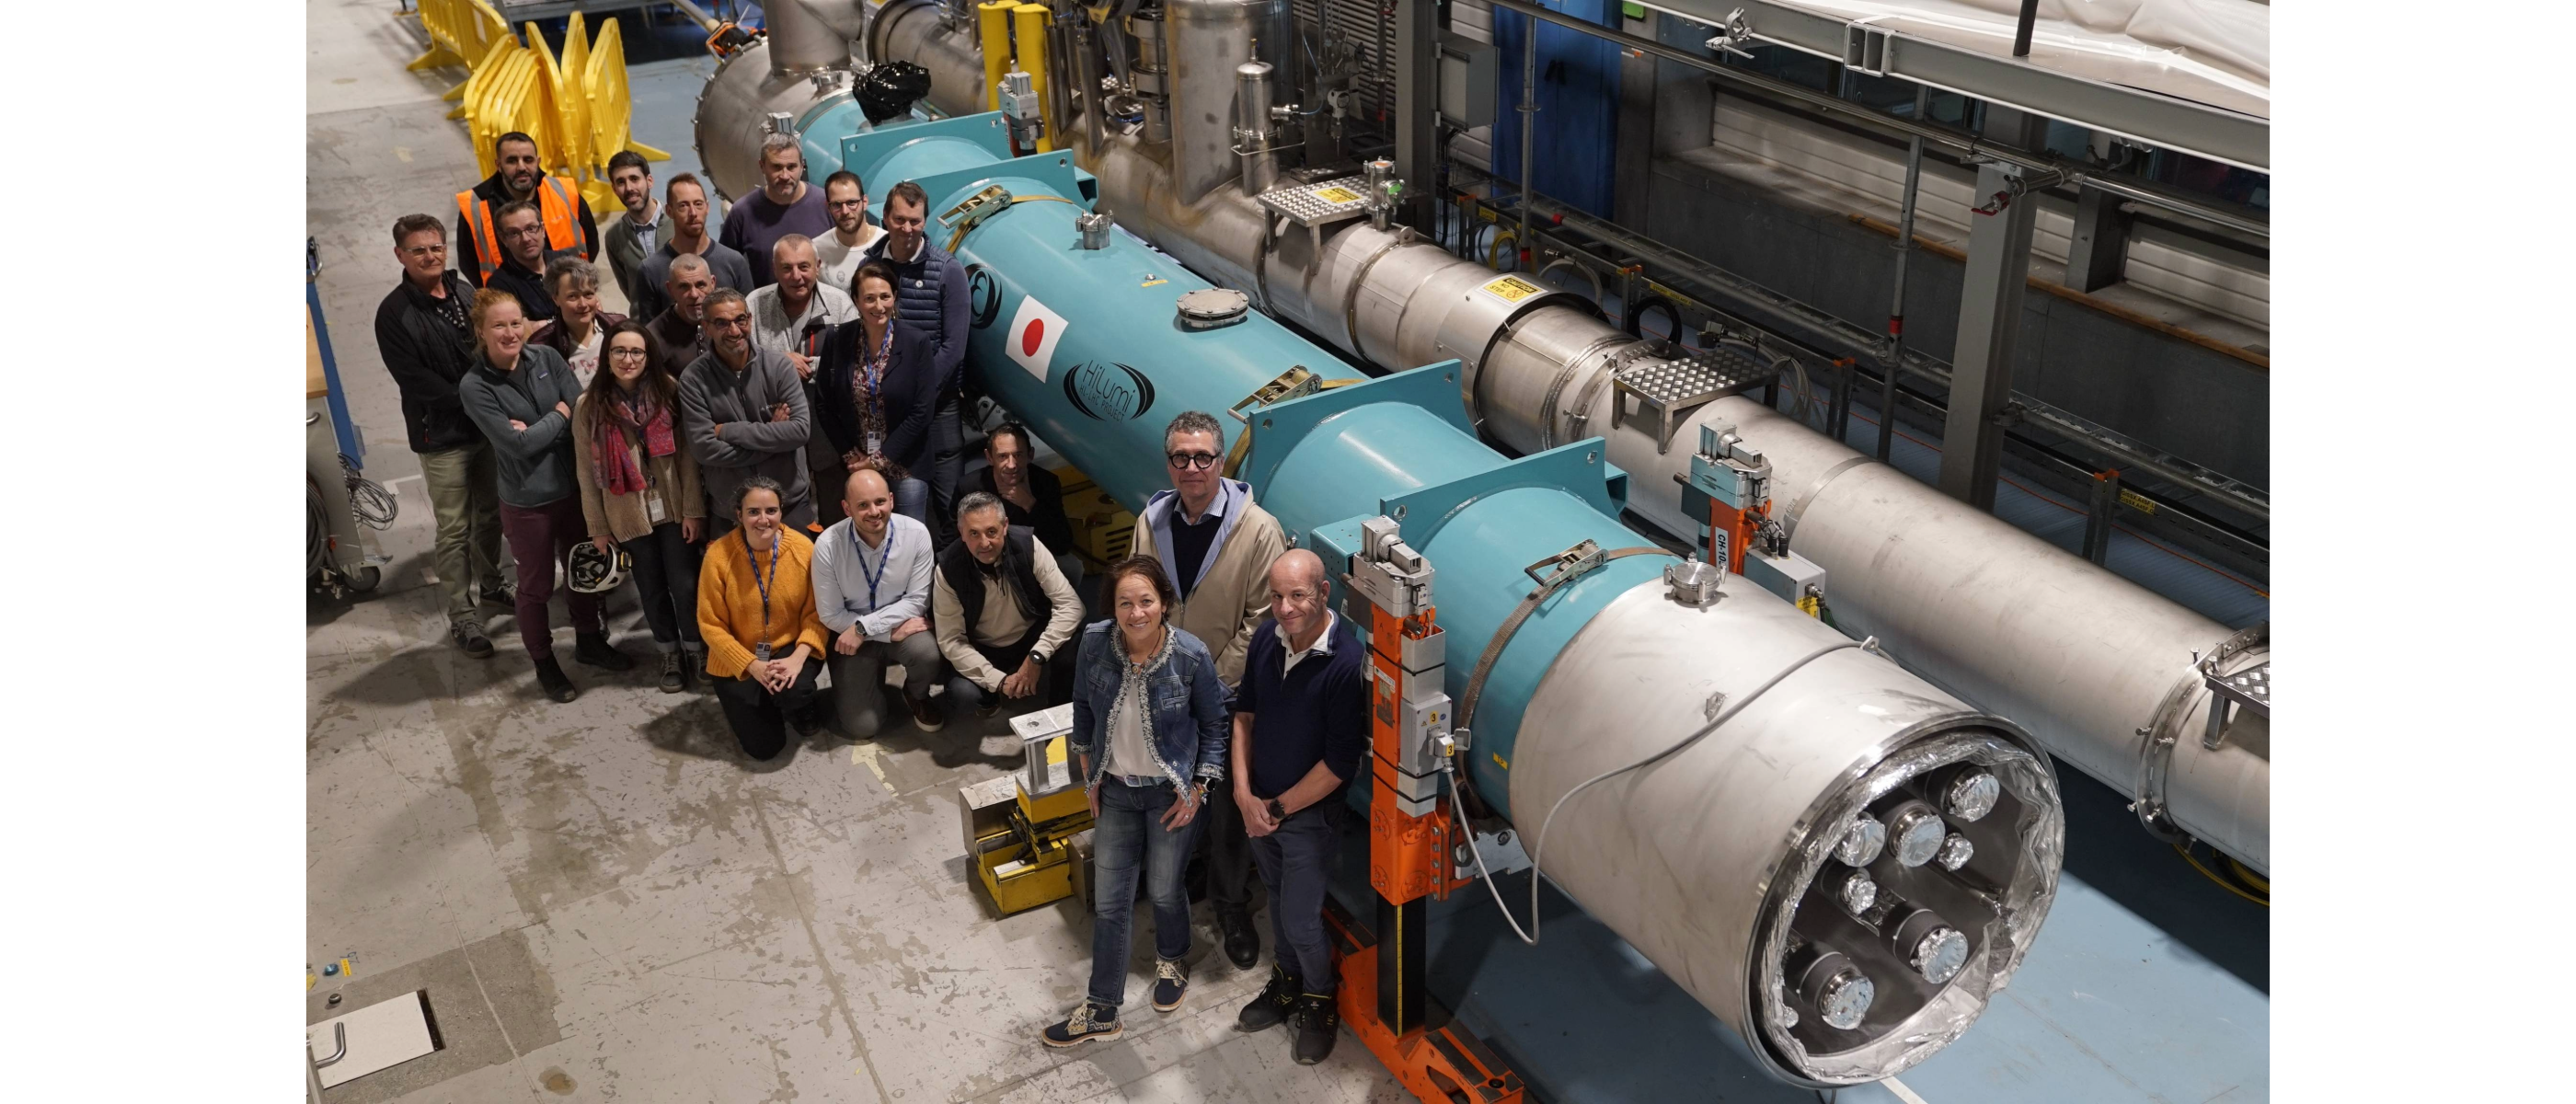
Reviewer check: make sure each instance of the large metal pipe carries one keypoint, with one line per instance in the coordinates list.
(802, 43)
(918, 31)
(1254, 137)
(1718, 862)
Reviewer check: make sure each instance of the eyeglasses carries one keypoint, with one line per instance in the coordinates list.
(626, 354)
(1200, 460)
(840, 203)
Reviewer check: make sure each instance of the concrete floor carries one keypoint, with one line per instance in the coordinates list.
(604, 900)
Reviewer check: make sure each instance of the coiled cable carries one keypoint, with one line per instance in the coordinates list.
(374, 505)
(1538, 845)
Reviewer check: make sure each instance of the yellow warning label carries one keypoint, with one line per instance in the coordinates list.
(2136, 501)
(1499, 761)
(1511, 289)
(1335, 194)
(1150, 281)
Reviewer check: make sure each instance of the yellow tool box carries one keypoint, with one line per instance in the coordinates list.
(1102, 527)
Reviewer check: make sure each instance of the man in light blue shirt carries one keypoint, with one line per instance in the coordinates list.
(872, 589)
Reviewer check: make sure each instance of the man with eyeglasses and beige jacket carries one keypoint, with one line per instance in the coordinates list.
(1217, 546)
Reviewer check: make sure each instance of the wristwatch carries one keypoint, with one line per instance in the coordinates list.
(1277, 810)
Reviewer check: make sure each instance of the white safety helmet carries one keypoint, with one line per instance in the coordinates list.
(597, 572)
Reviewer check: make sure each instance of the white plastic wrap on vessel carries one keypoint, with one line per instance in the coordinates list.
(2217, 52)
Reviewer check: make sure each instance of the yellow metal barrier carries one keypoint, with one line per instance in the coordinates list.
(577, 107)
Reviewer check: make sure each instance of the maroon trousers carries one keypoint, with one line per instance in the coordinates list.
(539, 538)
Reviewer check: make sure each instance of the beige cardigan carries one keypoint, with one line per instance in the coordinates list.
(1233, 594)
(673, 479)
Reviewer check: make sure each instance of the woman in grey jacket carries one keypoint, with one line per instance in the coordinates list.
(521, 396)
(1150, 733)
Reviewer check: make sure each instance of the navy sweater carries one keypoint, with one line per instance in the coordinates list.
(1317, 712)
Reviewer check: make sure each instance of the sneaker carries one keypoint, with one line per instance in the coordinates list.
(595, 650)
(1319, 1024)
(502, 596)
(928, 714)
(809, 720)
(674, 676)
(1171, 982)
(558, 686)
(1276, 1004)
(469, 639)
(1087, 1022)
(1242, 945)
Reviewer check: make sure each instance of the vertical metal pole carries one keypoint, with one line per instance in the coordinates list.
(2097, 516)
(2021, 28)
(1990, 318)
(1529, 122)
(1417, 105)
(1904, 254)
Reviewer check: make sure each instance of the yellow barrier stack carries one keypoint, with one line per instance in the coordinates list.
(578, 107)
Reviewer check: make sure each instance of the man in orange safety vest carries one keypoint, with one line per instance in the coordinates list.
(568, 222)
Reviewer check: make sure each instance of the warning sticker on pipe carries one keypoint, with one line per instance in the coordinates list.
(1510, 289)
(1033, 335)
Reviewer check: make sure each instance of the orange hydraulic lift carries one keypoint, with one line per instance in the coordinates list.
(1413, 840)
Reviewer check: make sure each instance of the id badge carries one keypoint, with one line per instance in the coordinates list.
(653, 509)
(761, 652)
(876, 445)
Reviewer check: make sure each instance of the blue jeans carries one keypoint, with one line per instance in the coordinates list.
(1130, 829)
(912, 500)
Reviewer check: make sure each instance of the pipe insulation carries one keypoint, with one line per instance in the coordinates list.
(1729, 865)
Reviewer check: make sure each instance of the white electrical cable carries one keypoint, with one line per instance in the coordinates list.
(1539, 844)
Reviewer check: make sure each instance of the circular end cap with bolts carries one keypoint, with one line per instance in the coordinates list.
(1939, 956)
(1212, 308)
(1861, 842)
(1955, 852)
(1693, 583)
(1916, 832)
(1972, 795)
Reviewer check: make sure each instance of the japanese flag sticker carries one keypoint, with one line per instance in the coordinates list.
(1032, 336)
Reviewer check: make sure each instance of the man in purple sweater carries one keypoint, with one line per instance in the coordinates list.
(784, 205)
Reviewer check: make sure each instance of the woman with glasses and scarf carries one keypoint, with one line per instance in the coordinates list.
(879, 390)
(639, 490)
(1150, 735)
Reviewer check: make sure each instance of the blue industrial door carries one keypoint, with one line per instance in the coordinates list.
(1578, 101)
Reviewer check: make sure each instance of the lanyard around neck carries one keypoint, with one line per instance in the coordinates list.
(756, 577)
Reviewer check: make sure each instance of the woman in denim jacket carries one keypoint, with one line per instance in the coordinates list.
(1150, 732)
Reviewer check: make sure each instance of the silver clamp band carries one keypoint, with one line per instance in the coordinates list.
(2155, 755)
(1573, 563)
(1798, 509)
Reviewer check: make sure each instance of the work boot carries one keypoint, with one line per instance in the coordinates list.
(1276, 1004)
(928, 714)
(1171, 982)
(1319, 1023)
(1088, 1022)
(595, 650)
(558, 686)
(674, 675)
(1242, 942)
(469, 638)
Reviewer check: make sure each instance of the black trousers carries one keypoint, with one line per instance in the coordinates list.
(1297, 867)
(1225, 851)
(666, 575)
(758, 717)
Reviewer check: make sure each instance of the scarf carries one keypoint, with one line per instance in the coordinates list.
(867, 393)
(618, 471)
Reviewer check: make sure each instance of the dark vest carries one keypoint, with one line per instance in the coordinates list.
(917, 285)
(966, 578)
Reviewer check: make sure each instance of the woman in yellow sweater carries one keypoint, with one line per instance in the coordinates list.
(756, 612)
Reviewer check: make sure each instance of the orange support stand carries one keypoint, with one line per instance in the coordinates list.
(1738, 527)
(1384, 971)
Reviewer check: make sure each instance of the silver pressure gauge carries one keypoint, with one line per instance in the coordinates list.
(1971, 795)
(1861, 842)
(1916, 832)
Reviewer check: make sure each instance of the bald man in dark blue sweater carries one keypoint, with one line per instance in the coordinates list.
(1301, 731)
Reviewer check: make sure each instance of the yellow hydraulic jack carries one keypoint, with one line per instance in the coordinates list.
(1027, 831)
